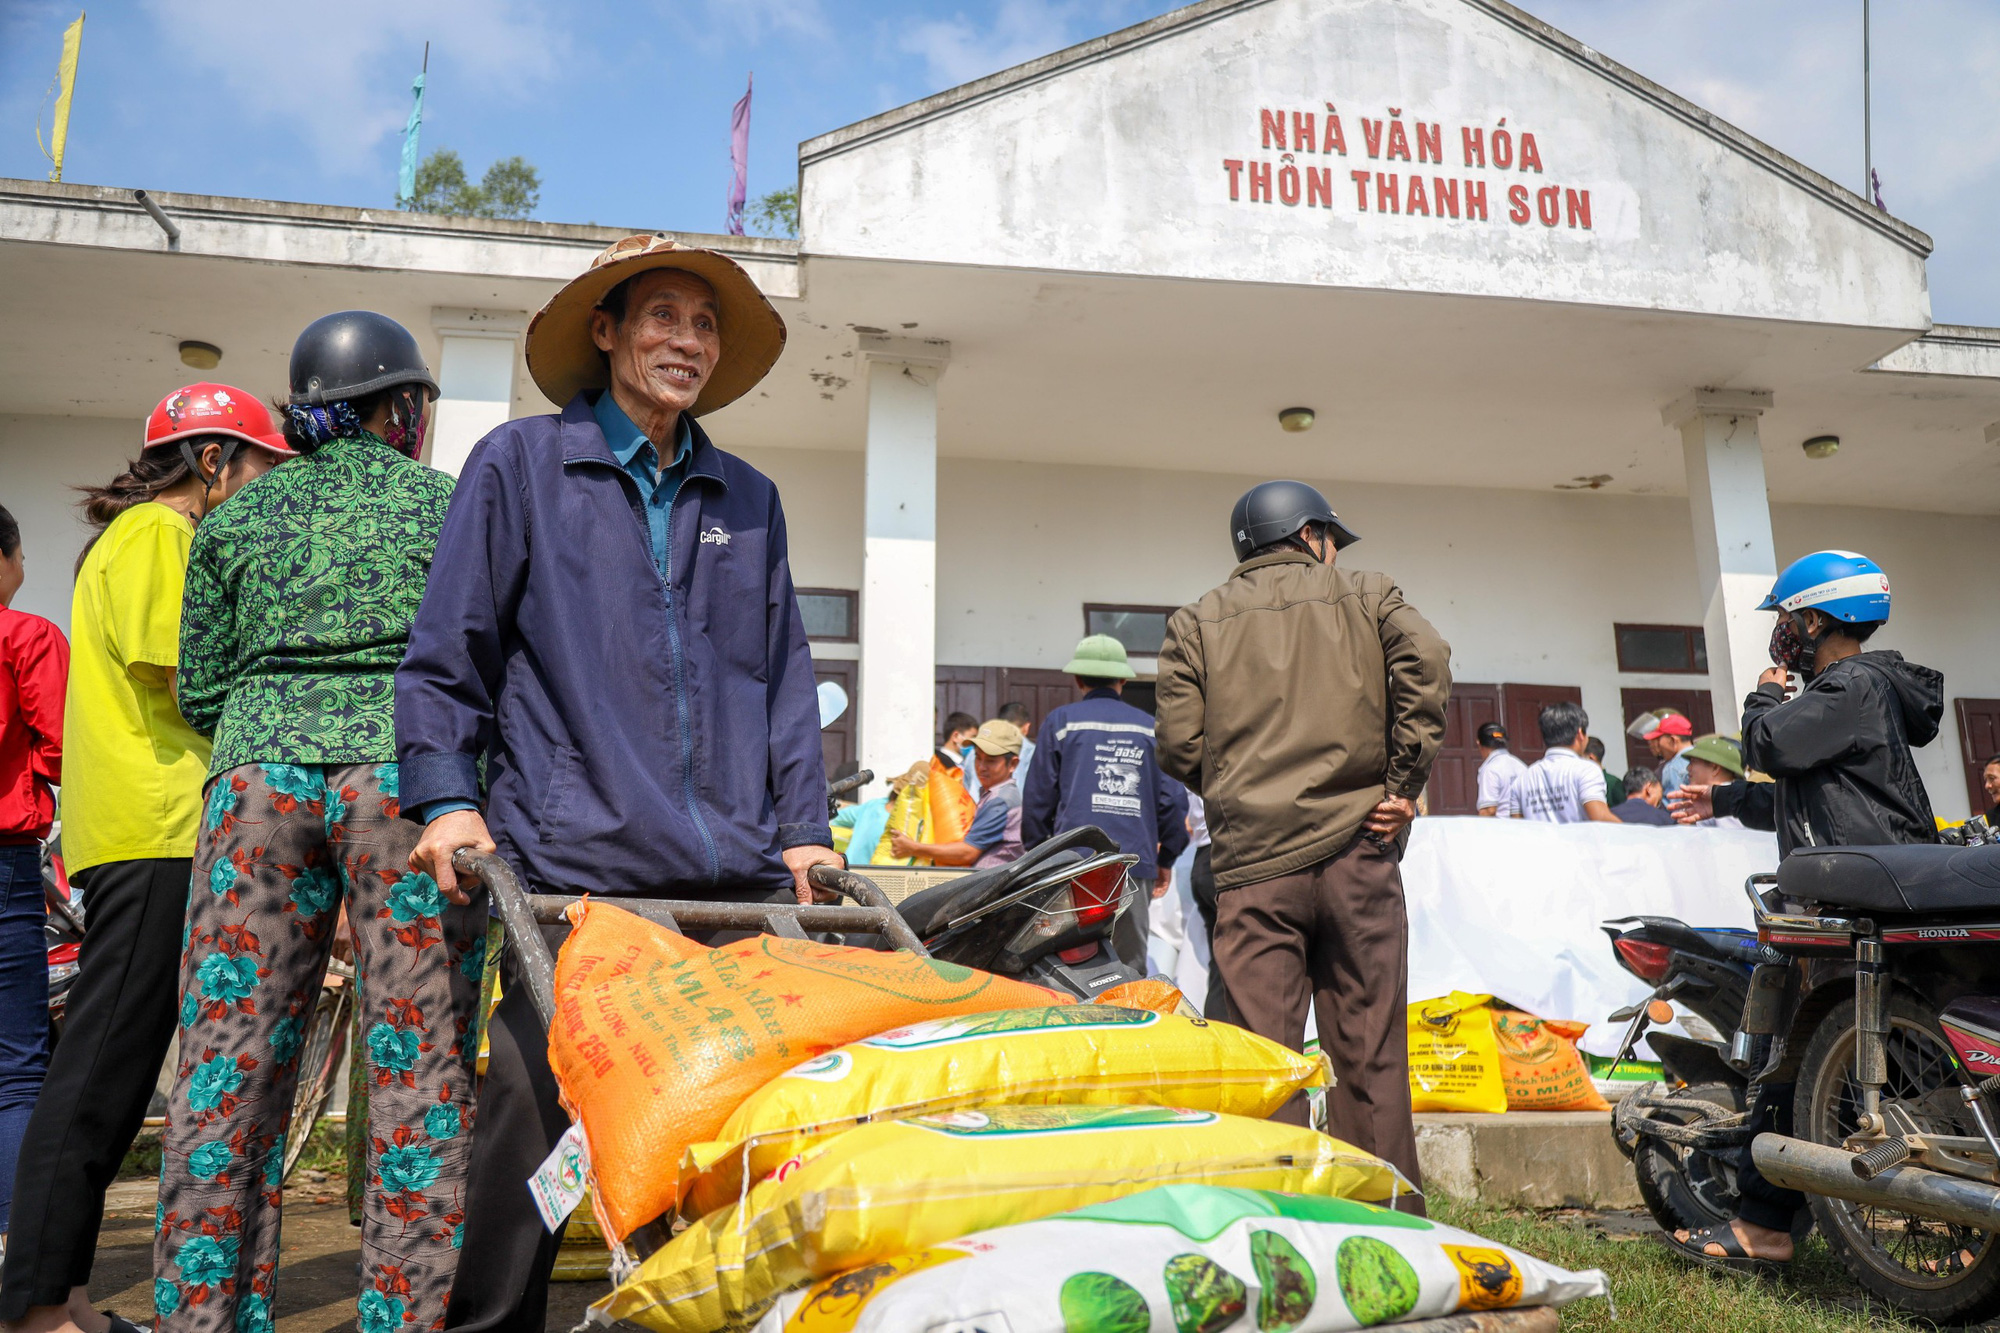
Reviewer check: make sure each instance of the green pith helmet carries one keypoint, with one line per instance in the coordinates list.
(1722, 751)
(1100, 657)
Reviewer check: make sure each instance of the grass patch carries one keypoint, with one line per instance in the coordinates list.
(1657, 1292)
(326, 1150)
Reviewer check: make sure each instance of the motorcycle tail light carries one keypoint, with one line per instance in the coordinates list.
(1096, 894)
(1643, 958)
(1082, 953)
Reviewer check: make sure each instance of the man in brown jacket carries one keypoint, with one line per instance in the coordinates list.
(1305, 704)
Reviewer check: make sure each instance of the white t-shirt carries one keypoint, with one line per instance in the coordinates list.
(1498, 773)
(1555, 788)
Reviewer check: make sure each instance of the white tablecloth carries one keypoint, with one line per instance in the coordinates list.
(1513, 908)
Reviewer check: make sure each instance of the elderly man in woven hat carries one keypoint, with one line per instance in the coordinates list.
(1095, 765)
(610, 623)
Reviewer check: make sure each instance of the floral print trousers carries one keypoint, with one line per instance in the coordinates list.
(280, 846)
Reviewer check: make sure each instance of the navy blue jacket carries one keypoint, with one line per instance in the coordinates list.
(1094, 764)
(641, 737)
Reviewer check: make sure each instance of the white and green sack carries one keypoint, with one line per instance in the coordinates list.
(1186, 1259)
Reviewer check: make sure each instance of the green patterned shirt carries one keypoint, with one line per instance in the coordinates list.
(300, 593)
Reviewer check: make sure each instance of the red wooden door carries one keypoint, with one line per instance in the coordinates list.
(1978, 741)
(1524, 704)
(1454, 783)
(1041, 691)
(1697, 706)
(965, 689)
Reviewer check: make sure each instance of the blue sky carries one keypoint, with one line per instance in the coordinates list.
(624, 107)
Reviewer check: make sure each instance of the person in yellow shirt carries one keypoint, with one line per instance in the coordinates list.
(131, 800)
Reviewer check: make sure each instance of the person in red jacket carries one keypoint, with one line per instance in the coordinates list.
(34, 671)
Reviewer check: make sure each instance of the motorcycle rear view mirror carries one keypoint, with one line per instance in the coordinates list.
(832, 703)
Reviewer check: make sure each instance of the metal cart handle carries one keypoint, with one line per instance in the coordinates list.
(523, 913)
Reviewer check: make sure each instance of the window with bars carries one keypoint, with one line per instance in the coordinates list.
(1666, 649)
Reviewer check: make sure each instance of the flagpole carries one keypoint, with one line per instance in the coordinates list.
(1867, 115)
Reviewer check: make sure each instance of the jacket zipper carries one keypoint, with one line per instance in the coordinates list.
(680, 694)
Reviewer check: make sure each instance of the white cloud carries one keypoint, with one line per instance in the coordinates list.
(751, 21)
(959, 49)
(339, 75)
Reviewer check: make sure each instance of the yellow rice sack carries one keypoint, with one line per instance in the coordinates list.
(1080, 1053)
(1454, 1060)
(656, 1039)
(885, 1189)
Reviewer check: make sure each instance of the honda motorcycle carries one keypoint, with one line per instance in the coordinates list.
(1887, 1020)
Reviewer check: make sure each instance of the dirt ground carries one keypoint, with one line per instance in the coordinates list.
(317, 1281)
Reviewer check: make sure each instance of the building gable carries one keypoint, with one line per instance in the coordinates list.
(1453, 146)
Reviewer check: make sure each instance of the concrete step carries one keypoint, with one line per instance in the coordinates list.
(1527, 1159)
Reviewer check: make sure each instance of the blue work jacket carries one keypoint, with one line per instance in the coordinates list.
(1094, 764)
(643, 735)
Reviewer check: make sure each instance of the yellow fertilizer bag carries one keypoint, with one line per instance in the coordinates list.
(1079, 1053)
(909, 815)
(886, 1189)
(1188, 1257)
(1454, 1059)
(656, 1040)
(1540, 1065)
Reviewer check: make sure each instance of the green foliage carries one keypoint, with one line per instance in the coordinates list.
(511, 188)
(776, 214)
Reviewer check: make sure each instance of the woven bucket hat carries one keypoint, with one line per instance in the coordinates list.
(564, 361)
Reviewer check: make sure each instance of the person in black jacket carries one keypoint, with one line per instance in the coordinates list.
(1840, 754)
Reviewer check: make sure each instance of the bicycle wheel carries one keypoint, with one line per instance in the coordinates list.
(320, 1057)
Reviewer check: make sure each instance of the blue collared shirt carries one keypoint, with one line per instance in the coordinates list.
(636, 454)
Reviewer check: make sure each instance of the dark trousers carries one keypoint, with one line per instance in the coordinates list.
(503, 1269)
(1759, 1202)
(1334, 936)
(121, 1016)
(1201, 885)
(1130, 931)
(24, 1002)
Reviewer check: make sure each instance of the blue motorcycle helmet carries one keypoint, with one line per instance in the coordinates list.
(1845, 585)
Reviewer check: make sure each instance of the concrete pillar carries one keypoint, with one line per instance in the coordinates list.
(475, 371)
(1735, 560)
(899, 558)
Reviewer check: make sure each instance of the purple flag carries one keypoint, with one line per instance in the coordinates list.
(739, 160)
(1874, 177)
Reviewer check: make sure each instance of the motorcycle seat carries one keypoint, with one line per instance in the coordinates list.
(1919, 879)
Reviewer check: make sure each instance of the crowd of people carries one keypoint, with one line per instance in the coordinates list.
(1570, 785)
(305, 671)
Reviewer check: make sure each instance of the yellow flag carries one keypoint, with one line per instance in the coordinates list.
(66, 83)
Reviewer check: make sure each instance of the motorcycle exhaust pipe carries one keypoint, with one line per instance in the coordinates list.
(1818, 1169)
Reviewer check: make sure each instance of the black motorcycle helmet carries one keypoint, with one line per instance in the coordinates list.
(351, 354)
(1273, 510)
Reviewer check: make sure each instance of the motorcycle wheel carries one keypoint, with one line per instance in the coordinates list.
(1933, 1270)
(1688, 1188)
(319, 1058)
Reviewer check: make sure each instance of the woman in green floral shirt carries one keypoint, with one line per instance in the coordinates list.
(298, 603)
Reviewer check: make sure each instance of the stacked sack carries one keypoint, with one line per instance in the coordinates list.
(1468, 1053)
(816, 1114)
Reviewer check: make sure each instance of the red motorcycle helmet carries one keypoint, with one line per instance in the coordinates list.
(215, 409)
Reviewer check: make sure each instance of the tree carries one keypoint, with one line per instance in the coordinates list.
(777, 213)
(511, 188)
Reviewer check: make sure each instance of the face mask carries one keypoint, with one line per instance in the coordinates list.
(1790, 649)
(405, 429)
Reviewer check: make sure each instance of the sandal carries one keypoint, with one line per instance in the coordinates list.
(1733, 1258)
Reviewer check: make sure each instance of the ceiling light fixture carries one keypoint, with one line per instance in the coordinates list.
(1296, 419)
(1822, 446)
(200, 356)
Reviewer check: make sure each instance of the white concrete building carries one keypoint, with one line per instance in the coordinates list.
(1564, 333)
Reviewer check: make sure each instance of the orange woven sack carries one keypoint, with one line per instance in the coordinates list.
(952, 806)
(1153, 994)
(1540, 1065)
(657, 1040)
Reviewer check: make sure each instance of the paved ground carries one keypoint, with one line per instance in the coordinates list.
(316, 1272)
